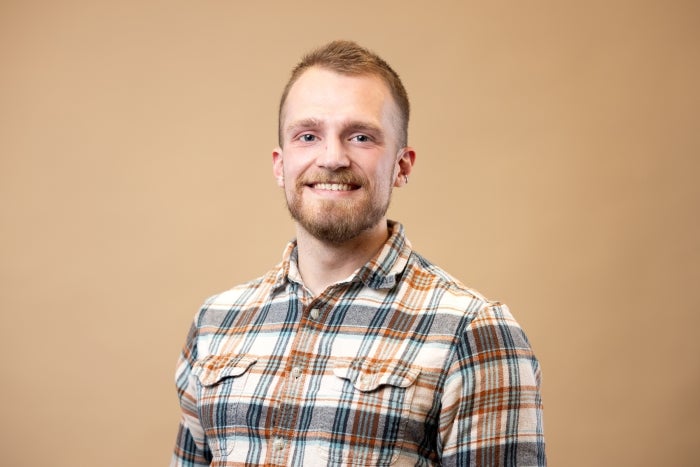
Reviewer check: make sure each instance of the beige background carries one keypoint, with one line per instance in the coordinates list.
(557, 169)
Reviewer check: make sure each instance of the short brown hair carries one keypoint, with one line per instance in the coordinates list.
(348, 58)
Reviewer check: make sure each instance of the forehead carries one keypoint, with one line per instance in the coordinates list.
(327, 95)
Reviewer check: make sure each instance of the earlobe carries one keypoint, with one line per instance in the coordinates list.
(401, 180)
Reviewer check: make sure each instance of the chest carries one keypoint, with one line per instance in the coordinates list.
(353, 384)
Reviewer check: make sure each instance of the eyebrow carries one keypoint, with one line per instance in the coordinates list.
(349, 127)
(352, 127)
(302, 124)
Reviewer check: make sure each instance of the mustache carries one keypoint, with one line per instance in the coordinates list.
(343, 176)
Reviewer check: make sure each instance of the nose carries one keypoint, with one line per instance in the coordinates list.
(333, 155)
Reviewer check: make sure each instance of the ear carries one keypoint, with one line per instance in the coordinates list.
(405, 162)
(278, 166)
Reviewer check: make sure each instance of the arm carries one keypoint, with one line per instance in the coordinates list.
(491, 406)
(186, 452)
(191, 447)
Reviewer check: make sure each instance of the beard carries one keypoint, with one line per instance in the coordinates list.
(337, 221)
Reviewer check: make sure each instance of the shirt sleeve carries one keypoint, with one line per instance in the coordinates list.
(491, 407)
(191, 447)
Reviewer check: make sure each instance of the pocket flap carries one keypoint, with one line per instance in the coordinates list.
(367, 376)
(212, 369)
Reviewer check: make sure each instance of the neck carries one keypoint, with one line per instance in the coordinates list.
(322, 264)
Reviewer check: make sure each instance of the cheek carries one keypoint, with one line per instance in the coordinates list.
(289, 171)
(390, 173)
(296, 163)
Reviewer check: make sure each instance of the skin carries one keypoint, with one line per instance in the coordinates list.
(338, 163)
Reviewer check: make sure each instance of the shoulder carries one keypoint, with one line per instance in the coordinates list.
(423, 274)
(240, 297)
(470, 311)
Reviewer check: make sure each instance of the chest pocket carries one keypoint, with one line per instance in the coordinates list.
(221, 385)
(374, 409)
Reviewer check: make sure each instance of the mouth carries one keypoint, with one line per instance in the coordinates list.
(333, 186)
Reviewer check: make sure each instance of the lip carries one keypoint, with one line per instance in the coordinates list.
(336, 187)
(335, 190)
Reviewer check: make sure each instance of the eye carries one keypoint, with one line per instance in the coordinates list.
(361, 138)
(307, 138)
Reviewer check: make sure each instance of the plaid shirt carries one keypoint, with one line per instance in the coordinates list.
(399, 364)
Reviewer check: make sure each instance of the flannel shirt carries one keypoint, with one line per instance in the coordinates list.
(399, 364)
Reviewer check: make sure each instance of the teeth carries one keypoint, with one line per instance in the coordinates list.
(333, 186)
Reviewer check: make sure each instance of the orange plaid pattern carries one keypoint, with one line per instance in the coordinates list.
(399, 364)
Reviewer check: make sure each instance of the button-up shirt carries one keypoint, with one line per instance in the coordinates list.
(398, 364)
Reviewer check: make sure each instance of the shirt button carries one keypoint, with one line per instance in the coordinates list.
(315, 313)
(278, 444)
(296, 372)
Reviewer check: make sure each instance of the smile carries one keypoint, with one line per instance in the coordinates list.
(333, 186)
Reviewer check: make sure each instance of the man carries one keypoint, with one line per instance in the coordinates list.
(355, 350)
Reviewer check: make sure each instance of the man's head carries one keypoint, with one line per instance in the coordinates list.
(340, 152)
(348, 58)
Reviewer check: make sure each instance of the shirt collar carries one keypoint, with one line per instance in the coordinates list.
(380, 272)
